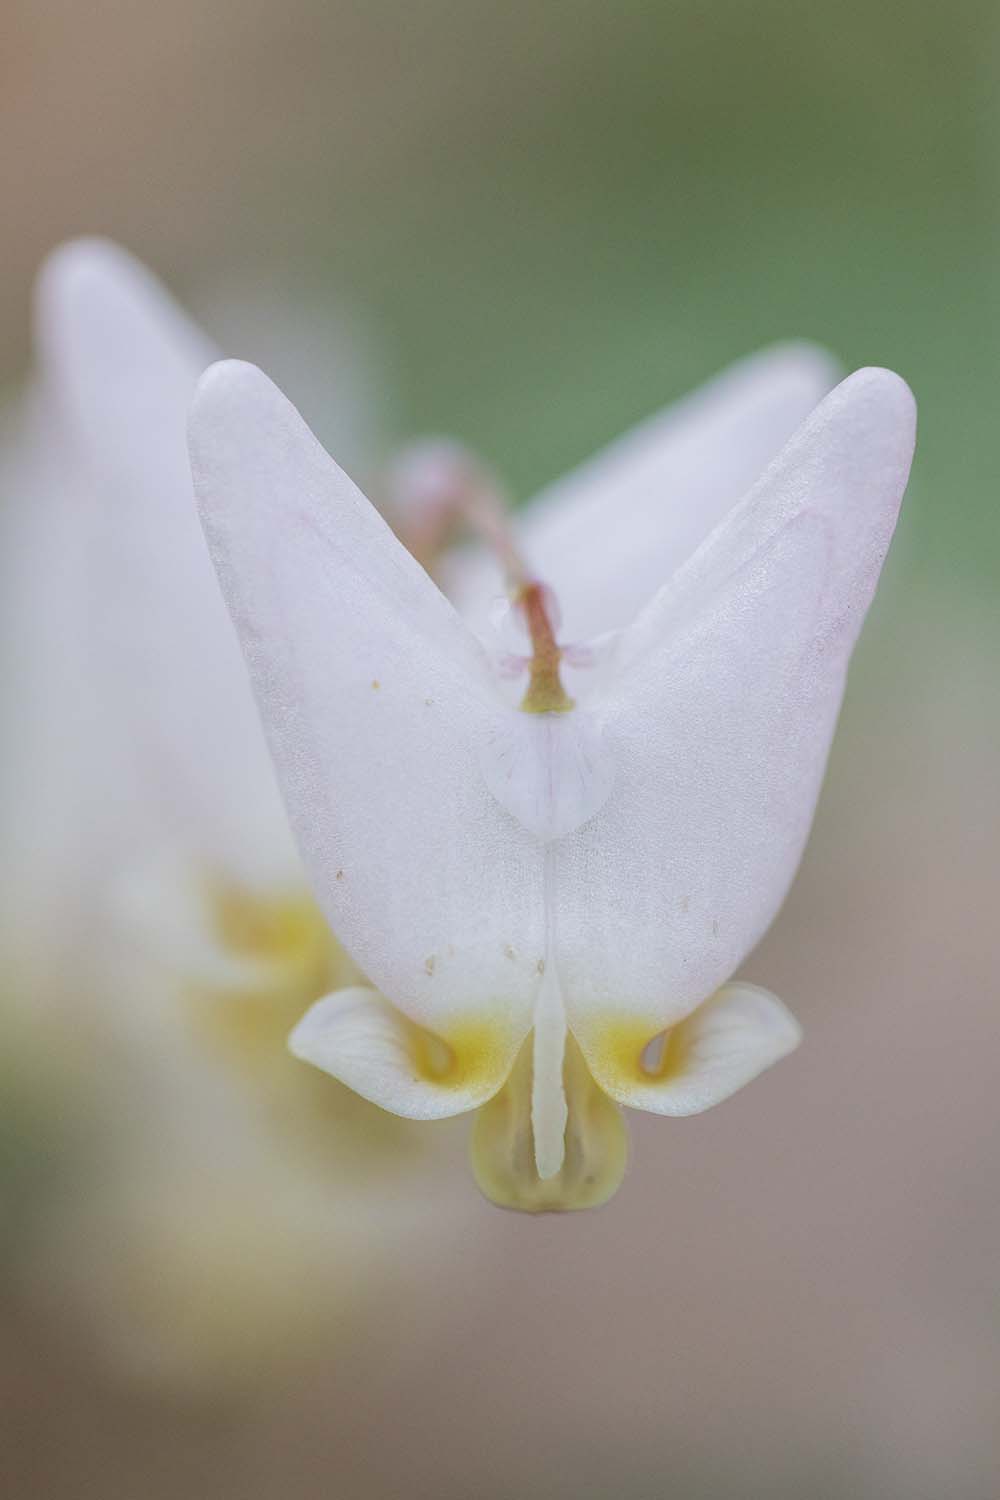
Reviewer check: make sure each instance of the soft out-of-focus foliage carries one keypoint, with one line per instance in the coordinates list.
(558, 217)
(565, 213)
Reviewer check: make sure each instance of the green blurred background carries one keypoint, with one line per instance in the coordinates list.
(560, 214)
(555, 217)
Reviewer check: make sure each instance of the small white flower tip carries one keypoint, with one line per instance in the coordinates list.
(227, 379)
(237, 393)
(102, 317)
(231, 391)
(877, 416)
(885, 389)
(86, 270)
(87, 256)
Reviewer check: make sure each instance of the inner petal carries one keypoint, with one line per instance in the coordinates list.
(548, 1093)
(553, 772)
(595, 1141)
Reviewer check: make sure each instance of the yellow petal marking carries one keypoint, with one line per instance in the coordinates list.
(624, 1051)
(470, 1054)
(295, 959)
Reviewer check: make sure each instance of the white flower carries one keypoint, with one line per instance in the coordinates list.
(142, 807)
(551, 897)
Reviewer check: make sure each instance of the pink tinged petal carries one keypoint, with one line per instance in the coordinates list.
(721, 721)
(376, 699)
(610, 533)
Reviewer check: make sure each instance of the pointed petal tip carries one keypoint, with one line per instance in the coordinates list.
(112, 337)
(84, 256)
(237, 416)
(90, 269)
(232, 376)
(871, 419)
(784, 1029)
(883, 387)
(230, 389)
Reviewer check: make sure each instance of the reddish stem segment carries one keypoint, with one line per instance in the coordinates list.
(461, 493)
(545, 693)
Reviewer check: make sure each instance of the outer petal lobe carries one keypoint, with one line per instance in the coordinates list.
(120, 362)
(721, 719)
(375, 697)
(360, 1038)
(721, 1046)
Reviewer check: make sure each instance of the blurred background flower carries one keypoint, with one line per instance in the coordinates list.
(556, 218)
(158, 936)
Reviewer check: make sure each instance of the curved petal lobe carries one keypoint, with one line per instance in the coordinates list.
(721, 719)
(359, 1037)
(376, 699)
(721, 1046)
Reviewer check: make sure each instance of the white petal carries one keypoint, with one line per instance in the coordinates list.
(722, 718)
(120, 363)
(552, 772)
(721, 1046)
(358, 1037)
(610, 533)
(376, 699)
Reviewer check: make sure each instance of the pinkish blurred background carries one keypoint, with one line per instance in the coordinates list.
(528, 227)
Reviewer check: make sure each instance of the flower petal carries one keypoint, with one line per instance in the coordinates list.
(376, 698)
(721, 1046)
(610, 533)
(721, 719)
(120, 362)
(360, 1038)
